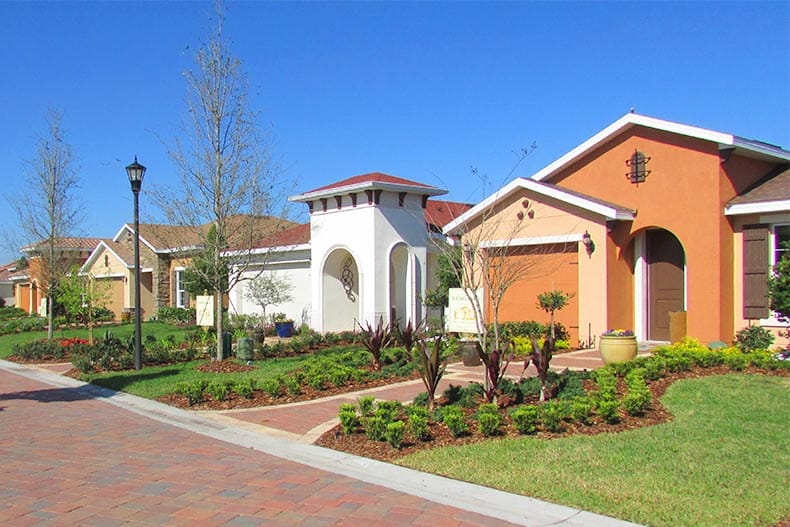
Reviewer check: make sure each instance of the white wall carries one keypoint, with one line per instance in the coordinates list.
(294, 266)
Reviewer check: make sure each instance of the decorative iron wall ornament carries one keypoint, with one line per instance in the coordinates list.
(347, 279)
(638, 172)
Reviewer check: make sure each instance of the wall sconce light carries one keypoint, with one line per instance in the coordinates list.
(589, 245)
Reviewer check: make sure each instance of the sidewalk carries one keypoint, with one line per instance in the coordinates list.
(74, 453)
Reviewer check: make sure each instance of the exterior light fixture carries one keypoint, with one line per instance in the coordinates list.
(136, 172)
(589, 245)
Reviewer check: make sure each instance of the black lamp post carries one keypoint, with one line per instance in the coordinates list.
(136, 171)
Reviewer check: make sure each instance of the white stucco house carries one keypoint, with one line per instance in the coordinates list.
(367, 253)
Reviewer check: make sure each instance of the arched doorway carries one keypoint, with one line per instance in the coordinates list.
(665, 278)
(399, 294)
(340, 292)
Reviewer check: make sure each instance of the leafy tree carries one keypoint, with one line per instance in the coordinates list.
(779, 286)
(47, 209)
(269, 289)
(446, 278)
(81, 296)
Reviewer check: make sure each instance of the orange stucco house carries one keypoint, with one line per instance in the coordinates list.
(647, 222)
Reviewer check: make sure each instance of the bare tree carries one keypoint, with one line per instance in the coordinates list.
(492, 263)
(47, 210)
(269, 289)
(226, 172)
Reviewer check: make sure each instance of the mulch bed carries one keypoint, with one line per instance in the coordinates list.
(359, 444)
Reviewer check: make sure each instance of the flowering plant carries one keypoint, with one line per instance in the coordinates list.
(618, 333)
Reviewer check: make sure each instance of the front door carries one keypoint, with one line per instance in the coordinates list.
(665, 281)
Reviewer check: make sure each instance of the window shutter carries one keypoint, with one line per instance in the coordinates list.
(755, 271)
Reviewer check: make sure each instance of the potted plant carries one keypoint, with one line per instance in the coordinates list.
(618, 345)
(283, 325)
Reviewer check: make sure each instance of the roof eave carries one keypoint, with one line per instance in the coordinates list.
(367, 185)
(762, 207)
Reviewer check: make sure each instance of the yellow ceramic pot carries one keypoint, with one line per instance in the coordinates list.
(618, 349)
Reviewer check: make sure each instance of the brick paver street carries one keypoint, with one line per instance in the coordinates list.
(76, 454)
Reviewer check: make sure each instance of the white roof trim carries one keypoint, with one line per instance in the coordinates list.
(608, 212)
(95, 254)
(630, 120)
(536, 240)
(127, 227)
(757, 208)
(266, 250)
(368, 185)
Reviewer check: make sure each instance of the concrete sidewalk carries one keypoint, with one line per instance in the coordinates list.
(73, 453)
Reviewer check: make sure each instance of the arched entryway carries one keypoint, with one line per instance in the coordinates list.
(340, 292)
(399, 294)
(664, 267)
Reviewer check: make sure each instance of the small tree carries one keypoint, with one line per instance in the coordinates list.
(446, 277)
(47, 210)
(551, 302)
(268, 289)
(81, 296)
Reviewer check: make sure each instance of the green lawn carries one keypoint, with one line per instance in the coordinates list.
(152, 382)
(723, 461)
(156, 329)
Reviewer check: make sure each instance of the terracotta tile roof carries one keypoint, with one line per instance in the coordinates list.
(373, 177)
(126, 255)
(773, 187)
(296, 235)
(168, 237)
(439, 213)
(247, 231)
(68, 243)
(6, 270)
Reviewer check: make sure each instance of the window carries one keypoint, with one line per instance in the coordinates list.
(181, 295)
(781, 236)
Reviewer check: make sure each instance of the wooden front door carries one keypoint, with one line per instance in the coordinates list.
(665, 263)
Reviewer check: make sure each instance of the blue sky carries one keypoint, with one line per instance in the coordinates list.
(421, 90)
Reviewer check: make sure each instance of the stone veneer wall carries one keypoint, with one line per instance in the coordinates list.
(161, 270)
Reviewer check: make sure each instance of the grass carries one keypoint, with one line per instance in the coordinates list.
(156, 329)
(152, 382)
(724, 460)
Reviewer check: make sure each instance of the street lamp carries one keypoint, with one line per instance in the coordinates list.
(136, 171)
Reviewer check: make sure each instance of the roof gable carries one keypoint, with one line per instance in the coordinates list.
(725, 141)
(608, 210)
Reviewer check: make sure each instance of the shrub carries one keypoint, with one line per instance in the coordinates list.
(218, 390)
(609, 410)
(525, 419)
(394, 433)
(388, 410)
(638, 398)
(271, 387)
(176, 315)
(293, 384)
(453, 417)
(735, 360)
(418, 427)
(581, 409)
(367, 405)
(245, 387)
(551, 416)
(753, 338)
(607, 384)
(349, 420)
(316, 381)
(192, 390)
(38, 349)
(570, 385)
(488, 423)
(375, 427)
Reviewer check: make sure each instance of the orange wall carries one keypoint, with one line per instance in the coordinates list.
(684, 193)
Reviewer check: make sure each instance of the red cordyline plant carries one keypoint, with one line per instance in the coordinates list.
(431, 365)
(375, 339)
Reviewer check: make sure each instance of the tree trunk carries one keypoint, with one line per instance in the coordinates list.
(218, 323)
